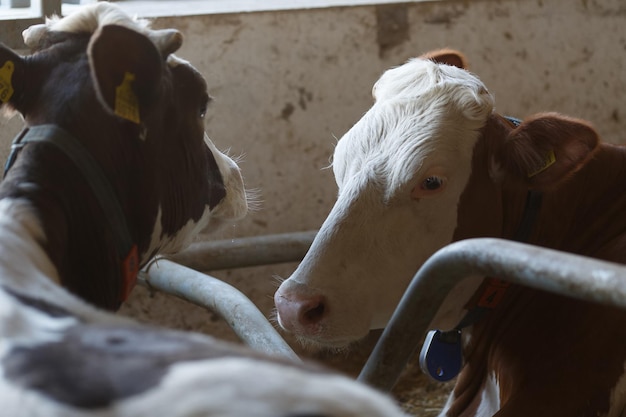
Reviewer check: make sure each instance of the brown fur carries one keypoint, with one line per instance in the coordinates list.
(553, 356)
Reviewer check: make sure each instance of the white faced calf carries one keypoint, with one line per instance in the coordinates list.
(431, 163)
(400, 171)
(426, 165)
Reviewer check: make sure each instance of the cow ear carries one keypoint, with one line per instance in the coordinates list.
(546, 149)
(12, 75)
(126, 68)
(448, 57)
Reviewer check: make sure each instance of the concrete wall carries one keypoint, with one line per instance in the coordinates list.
(289, 84)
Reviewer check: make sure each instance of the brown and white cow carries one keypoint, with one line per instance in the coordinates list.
(113, 115)
(432, 162)
(137, 112)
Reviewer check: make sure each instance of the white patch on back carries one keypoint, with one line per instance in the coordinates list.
(239, 385)
(21, 236)
(26, 269)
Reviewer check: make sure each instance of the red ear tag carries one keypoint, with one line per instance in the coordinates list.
(130, 269)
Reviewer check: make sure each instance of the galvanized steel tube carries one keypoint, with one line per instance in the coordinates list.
(248, 251)
(240, 313)
(544, 269)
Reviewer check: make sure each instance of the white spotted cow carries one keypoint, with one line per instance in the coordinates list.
(430, 163)
(113, 168)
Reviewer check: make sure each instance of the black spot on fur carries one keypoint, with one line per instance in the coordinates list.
(44, 306)
(93, 366)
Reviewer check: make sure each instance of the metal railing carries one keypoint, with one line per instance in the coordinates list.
(244, 318)
(544, 269)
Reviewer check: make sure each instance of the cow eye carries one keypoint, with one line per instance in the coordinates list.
(432, 183)
(429, 186)
(204, 105)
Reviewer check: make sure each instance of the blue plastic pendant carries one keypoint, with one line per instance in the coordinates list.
(441, 357)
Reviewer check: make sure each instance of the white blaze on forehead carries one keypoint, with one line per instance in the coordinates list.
(421, 109)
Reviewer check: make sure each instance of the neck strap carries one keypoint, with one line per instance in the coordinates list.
(100, 186)
(492, 290)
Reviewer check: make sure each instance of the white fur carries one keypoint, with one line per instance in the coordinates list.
(618, 397)
(25, 268)
(230, 387)
(226, 387)
(232, 207)
(89, 18)
(490, 398)
(426, 117)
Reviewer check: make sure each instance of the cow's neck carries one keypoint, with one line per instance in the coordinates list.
(584, 215)
(24, 262)
(574, 214)
(574, 218)
(77, 240)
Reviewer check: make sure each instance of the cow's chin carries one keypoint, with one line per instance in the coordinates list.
(333, 345)
(331, 341)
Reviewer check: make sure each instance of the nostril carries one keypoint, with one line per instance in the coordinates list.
(313, 312)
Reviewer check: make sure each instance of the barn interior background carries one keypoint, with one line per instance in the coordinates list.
(287, 84)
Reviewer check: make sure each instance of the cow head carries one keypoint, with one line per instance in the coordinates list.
(403, 172)
(113, 84)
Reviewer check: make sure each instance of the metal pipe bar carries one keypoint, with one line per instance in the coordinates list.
(240, 313)
(544, 269)
(242, 252)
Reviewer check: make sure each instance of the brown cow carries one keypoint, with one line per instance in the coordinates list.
(431, 163)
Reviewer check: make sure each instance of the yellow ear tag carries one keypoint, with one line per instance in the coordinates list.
(550, 159)
(126, 103)
(6, 88)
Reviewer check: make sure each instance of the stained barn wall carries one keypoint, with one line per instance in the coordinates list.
(288, 84)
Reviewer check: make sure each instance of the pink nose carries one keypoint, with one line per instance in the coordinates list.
(300, 314)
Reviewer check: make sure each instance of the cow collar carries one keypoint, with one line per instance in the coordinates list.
(100, 186)
(441, 356)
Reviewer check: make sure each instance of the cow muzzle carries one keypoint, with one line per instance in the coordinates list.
(300, 312)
